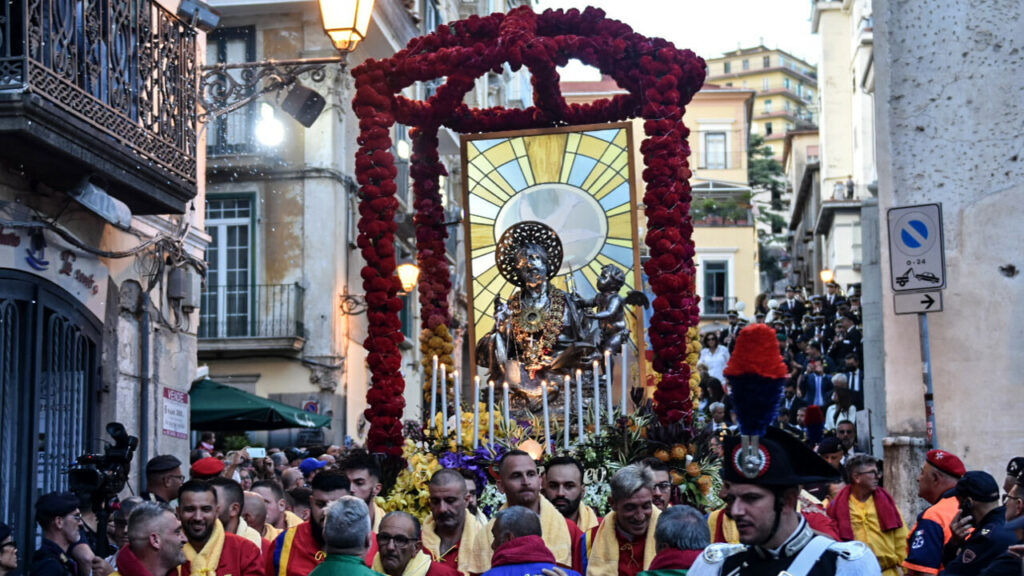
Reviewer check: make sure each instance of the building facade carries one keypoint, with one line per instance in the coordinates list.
(285, 315)
(101, 242)
(786, 89)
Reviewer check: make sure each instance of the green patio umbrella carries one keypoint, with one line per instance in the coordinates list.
(216, 406)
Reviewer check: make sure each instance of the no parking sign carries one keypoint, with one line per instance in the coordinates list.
(917, 259)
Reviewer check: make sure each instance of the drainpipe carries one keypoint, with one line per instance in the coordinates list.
(144, 377)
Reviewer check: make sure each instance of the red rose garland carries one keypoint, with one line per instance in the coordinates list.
(660, 80)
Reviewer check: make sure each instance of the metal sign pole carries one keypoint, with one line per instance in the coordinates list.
(929, 396)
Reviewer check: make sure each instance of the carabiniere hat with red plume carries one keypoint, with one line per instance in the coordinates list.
(763, 454)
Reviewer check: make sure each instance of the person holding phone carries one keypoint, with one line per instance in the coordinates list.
(979, 528)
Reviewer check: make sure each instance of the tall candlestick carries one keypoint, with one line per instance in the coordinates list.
(433, 397)
(508, 424)
(597, 398)
(444, 400)
(567, 400)
(490, 411)
(608, 383)
(476, 412)
(579, 406)
(547, 417)
(625, 393)
(457, 398)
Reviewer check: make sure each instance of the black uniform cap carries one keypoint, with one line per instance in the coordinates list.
(785, 461)
(162, 463)
(57, 504)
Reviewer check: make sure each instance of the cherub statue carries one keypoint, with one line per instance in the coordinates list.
(611, 309)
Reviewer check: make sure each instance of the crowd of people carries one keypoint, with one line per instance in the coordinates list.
(792, 506)
(316, 514)
(821, 343)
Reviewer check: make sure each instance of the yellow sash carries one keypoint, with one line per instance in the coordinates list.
(588, 519)
(604, 550)
(378, 515)
(732, 535)
(471, 530)
(553, 528)
(292, 519)
(418, 565)
(204, 562)
(249, 533)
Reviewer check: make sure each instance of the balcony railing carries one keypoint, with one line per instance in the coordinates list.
(121, 71)
(252, 311)
(716, 305)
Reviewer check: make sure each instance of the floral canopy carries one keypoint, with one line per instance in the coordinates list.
(659, 79)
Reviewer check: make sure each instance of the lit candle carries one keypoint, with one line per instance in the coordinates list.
(625, 393)
(444, 400)
(490, 409)
(457, 399)
(579, 404)
(508, 424)
(608, 383)
(567, 400)
(433, 396)
(476, 412)
(597, 398)
(547, 417)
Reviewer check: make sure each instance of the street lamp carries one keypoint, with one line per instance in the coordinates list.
(355, 304)
(221, 91)
(826, 276)
(408, 275)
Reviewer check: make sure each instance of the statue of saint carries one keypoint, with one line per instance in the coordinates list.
(539, 334)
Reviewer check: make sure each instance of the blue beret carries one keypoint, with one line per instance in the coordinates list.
(57, 504)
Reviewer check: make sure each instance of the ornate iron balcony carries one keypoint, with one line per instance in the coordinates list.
(251, 317)
(107, 87)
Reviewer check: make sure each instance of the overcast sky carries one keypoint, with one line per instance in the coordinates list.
(710, 27)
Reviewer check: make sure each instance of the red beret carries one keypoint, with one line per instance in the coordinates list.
(946, 462)
(207, 467)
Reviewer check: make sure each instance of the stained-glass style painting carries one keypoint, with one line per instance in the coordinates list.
(576, 180)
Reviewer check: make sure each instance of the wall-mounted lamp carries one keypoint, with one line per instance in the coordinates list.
(408, 275)
(827, 276)
(355, 304)
(344, 21)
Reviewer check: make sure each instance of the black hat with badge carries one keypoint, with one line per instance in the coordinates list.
(763, 454)
(976, 485)
(56, 504)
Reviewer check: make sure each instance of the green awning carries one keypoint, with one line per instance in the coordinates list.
(218, 407)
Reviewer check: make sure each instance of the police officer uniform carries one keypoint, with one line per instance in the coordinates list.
(50, 559)
(775, 460)
(990, 537)
(157, 465)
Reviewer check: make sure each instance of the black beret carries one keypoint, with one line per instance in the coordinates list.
(162, 463)
(57, 504)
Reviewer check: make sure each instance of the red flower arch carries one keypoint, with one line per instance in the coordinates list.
(660, 80)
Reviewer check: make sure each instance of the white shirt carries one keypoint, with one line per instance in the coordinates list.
(716, 361)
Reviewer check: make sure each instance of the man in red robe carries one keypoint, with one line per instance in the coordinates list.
(300, 549)
(148, 556)
(212, 551)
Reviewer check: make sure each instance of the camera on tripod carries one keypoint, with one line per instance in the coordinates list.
(104, 475)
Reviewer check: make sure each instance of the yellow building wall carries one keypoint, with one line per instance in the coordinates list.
(738, 244)
(706, 110)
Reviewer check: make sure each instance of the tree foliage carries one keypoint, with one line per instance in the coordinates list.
(767, 178)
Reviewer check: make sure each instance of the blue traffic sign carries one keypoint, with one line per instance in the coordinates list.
(916, 257)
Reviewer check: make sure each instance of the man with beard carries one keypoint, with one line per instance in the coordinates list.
(473, 507)
(299, 550)
(624, 543)
(346, 537)
(563, 487)
(363, 474)
(156, 542)
(449, 529)
(212, 551)
(400, 549)
(230, 504)
(519, 480)
(661, 494)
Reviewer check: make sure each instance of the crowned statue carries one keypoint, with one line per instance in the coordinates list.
(542, 333)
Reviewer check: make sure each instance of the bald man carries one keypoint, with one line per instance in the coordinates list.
(255, 514)
(447, 531)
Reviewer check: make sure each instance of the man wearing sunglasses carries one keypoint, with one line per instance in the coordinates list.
(400, 549)
(58, 515)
